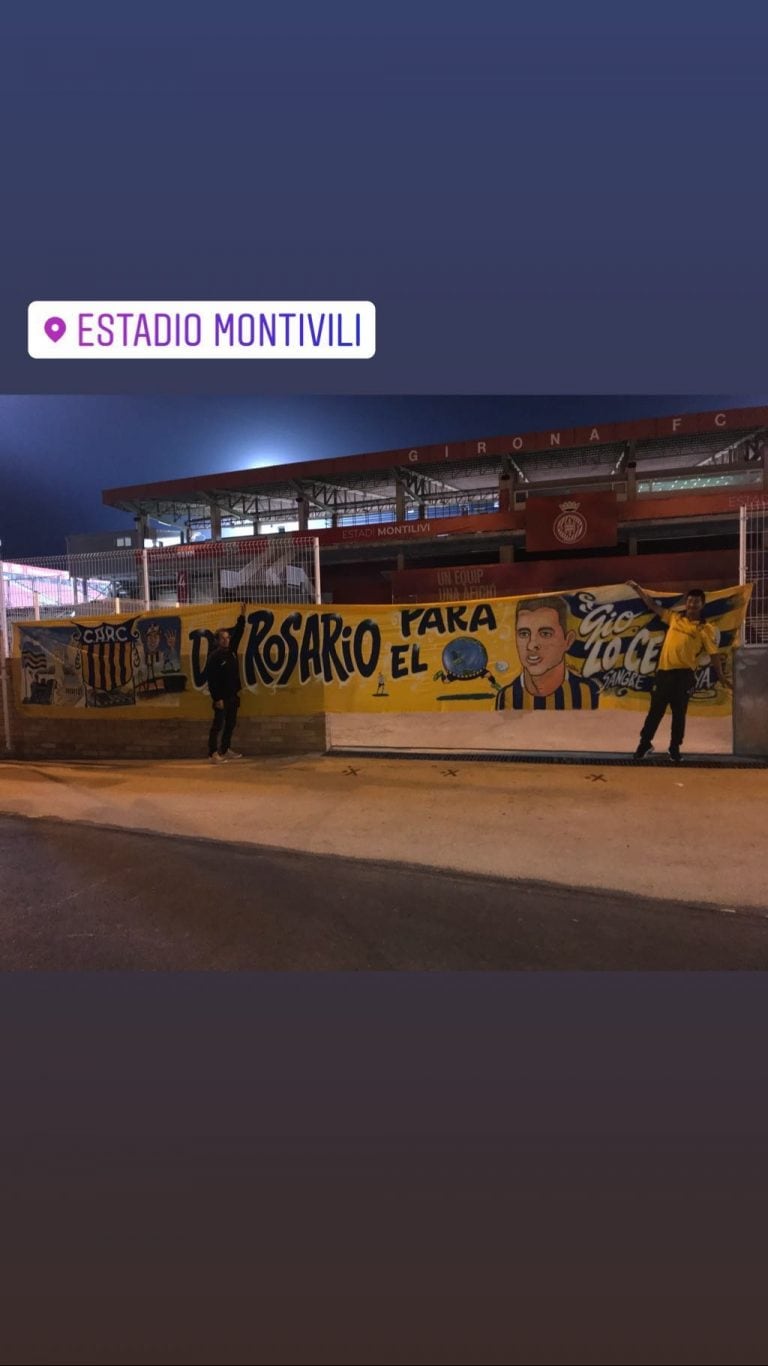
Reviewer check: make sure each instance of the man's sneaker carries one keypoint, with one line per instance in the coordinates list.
(216, 758)
(231, 754)
(675, 756)
(642, 750)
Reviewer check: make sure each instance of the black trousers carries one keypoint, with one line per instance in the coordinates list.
(671, 688)
(224, 721)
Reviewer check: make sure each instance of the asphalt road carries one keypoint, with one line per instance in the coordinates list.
(78, 898)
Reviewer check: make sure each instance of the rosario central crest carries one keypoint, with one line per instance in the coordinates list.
(571, 525)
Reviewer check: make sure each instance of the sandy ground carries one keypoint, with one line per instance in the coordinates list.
(696, 834)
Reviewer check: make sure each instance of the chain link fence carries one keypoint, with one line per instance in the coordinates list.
(753, 567)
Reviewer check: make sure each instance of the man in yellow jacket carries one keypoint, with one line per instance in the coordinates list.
(688, 637)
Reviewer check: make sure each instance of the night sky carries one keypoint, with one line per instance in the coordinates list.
(58, 453)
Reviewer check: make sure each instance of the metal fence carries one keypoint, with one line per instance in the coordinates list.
(272, 569)
(753, 567)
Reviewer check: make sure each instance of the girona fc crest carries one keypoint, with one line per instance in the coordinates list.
(571, 526)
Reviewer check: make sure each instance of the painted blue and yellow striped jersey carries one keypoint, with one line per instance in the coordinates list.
(574, 694)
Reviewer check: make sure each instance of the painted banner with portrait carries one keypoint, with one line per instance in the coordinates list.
(577, 651)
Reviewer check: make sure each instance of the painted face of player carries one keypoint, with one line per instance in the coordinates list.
(541, 641)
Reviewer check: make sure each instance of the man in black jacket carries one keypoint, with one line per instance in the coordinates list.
(222, 675)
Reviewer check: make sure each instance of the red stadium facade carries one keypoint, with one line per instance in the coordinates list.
(654, 500)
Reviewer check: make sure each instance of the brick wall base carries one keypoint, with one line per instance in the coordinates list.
(103, 737)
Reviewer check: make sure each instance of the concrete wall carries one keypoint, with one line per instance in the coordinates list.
(36, 736)
(591, 732)
(102, 737)
(750, 701)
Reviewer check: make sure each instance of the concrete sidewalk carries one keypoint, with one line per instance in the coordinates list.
(692, 835)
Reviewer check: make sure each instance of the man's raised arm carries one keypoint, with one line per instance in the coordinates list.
(653, 606)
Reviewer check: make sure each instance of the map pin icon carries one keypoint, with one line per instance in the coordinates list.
(55, 328)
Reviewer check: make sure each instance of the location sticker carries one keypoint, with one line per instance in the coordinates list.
(55, 328)
(201, 329)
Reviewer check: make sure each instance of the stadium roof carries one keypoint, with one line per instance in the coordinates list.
(355, 481)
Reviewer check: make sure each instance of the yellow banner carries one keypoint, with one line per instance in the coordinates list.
(581, 650)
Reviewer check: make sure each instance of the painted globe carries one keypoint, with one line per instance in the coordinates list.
(464, 657)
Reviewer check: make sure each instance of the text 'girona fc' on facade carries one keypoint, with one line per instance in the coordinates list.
(657, 500)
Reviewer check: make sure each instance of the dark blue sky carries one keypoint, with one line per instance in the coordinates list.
(58, 453)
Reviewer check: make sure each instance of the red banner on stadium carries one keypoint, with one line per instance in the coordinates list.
(571, 523)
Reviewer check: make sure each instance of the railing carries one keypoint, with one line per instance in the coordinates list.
(753, 568)
(262, 569)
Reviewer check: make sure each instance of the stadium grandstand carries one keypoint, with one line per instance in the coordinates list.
(657, 500)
